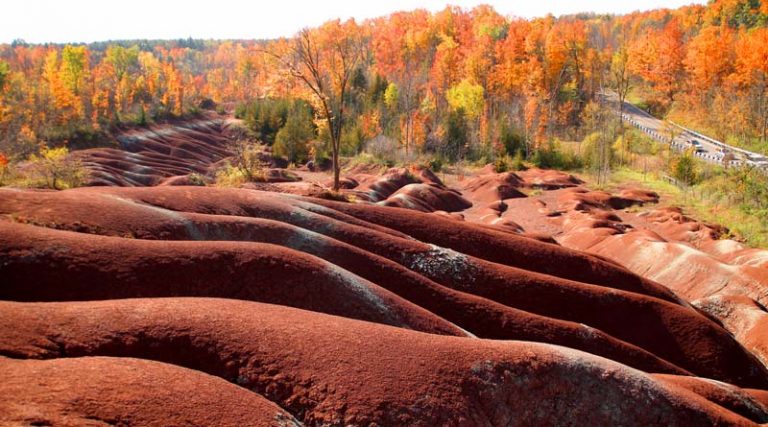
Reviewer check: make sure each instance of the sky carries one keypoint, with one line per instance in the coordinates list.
(65, 21)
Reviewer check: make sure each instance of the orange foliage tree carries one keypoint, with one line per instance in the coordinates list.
(703, 64)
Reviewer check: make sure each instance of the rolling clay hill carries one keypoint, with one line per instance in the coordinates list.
(502, 299)
(155, 154)
(169, 154)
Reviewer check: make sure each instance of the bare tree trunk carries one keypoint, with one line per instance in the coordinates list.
(336, 171)
(764, 133)
(321, 67)
(334, 126)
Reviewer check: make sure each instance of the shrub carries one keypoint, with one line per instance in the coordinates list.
(54, 168)
(239, 131)
(366, 159)
(192, 111)
(480, 154)
(506, 163)
(382, 148)
(512, 141)
(265, 117)
(75, 137)
(246, 158)
(352, 138)
(502, 163)
(141, 119)
(552, 157)
(683, 169)
(291, 140)
(230, 176)
(3, 168)
(596, 152)
(197, 179)
(517, 162)
(435, 164)
(207, 104)
(455, 138)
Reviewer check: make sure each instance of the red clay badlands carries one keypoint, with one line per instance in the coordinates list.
(388, 269)
(149, 156)
(418, 304)
(330, 370)
(124, 391)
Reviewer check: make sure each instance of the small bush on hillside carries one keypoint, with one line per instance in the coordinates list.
(3, 168)
(382, 148)
(480, 154)
(141, 118)
(291, 140)
(369, 159)
(239, 131)
(265, 117)
(512, 141)
(53, 168)
(552, 157)
(230, 176)
(76, 137)
(246, 158)
(596, 152)
(455, 135)
(683, 169)
(517, 162)
(502, 163)
(197, 179)
(207, 104)
(352, 140)
(318, 154)
(435, 164)
(506, 163)
(192, 111)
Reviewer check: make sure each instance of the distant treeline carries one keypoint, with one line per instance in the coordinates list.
(460, 83)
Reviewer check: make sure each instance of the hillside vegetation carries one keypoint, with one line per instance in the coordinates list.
(461, 82)
(435, 88)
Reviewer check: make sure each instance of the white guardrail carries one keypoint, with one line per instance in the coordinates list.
(749, 154)
(680, 146)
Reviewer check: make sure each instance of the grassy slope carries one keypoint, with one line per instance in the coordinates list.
(701, 202)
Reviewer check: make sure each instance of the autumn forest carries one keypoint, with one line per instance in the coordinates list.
(465, 84)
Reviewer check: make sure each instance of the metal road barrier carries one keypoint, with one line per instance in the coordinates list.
(714, 158)
(751, 158)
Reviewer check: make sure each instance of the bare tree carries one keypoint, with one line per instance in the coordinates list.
(324, 61)
(619, 80)
(247, 158)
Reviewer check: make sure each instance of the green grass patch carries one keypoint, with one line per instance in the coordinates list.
(709, 202)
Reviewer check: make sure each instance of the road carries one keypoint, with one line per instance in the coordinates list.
(705, 148)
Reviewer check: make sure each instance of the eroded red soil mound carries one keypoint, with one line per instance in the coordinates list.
(97, 267)
(148, 156)
(371, 270)
(368, 312)
(412, 188)
(548, 179)
(125, 391)
(741, 314)
(726, 279)
(169, 154)
(273, 350)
